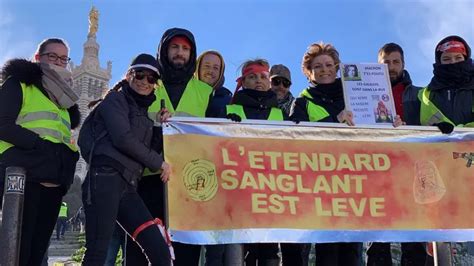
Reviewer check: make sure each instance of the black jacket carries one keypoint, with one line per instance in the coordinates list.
(129, 136)
(44, 161)
(411, 104)
(256, 104)
(328, 96)
(220, 98)
(455, 101)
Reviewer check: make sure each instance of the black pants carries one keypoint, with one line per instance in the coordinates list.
(40, 211)
(339, 254)
(261, 254)
(380, 254)
(112, 198)
(295, 254)
(151, 190)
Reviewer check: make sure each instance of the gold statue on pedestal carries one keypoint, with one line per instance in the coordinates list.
(93, 22)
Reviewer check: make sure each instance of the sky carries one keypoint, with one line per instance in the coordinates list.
(276, 30)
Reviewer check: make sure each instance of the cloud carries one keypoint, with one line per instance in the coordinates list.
(421, 24)
(14, 41)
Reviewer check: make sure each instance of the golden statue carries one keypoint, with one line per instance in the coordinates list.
(93, 21)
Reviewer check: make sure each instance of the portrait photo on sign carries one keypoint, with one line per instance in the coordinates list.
(351, 72)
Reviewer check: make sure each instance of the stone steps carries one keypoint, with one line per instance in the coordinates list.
(64, 247)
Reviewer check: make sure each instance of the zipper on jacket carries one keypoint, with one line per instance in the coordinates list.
(449, 95)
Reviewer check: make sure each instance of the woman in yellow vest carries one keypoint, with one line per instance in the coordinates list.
(323, 101)
(448, 100)
(253, 99)
(37, 113)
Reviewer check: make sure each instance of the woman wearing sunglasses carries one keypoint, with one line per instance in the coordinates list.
(117, 161)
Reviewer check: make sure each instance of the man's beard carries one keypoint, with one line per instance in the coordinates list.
(397, 78)
(178, 66)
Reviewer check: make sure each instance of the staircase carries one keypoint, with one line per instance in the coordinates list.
(64, 247)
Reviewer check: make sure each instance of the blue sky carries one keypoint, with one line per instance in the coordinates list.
(278, 30)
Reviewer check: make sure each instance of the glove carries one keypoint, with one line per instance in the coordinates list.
(234, 117)
(296, 120)
(445, 127)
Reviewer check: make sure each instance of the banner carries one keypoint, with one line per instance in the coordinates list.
(315, 182)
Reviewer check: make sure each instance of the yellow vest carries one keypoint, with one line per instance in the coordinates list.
(314, 111)
(430, 114)
(40, 115)
(63, 211)
(276, 114)
(193, 102)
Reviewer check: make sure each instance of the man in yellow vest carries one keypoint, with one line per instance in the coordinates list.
(183, 95)
(61, 224)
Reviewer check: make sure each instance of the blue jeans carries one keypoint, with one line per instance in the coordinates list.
(117, 241)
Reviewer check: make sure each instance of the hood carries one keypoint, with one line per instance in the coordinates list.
(451, 38)
(23, 70)
(220, 80)
(168, 73)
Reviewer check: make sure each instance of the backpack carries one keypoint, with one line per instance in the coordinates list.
(88, 138)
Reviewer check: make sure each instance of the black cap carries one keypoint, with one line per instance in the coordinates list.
(145, 61)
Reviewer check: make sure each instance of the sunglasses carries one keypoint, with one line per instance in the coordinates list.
(139, 75)
(277, 81)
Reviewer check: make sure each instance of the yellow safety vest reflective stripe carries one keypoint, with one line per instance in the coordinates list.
(40, 115)
(429, 113)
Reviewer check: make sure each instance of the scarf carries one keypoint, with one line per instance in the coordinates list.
(454, 76)
(141, 100)
(57, 82)
(328, 92)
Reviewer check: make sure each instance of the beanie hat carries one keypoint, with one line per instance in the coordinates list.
(453, 44)
(145, 61)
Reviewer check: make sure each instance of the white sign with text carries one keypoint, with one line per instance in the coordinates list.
(368, 93)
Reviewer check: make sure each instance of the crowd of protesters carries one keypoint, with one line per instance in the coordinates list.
(124, 187)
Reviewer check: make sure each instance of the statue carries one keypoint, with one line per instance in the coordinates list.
(93, 22)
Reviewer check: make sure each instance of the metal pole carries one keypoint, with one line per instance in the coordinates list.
(10, 234)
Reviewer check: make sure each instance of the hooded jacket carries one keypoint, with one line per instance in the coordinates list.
(221, 96)
(175, 80)
(44, 161)
(452, 87)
